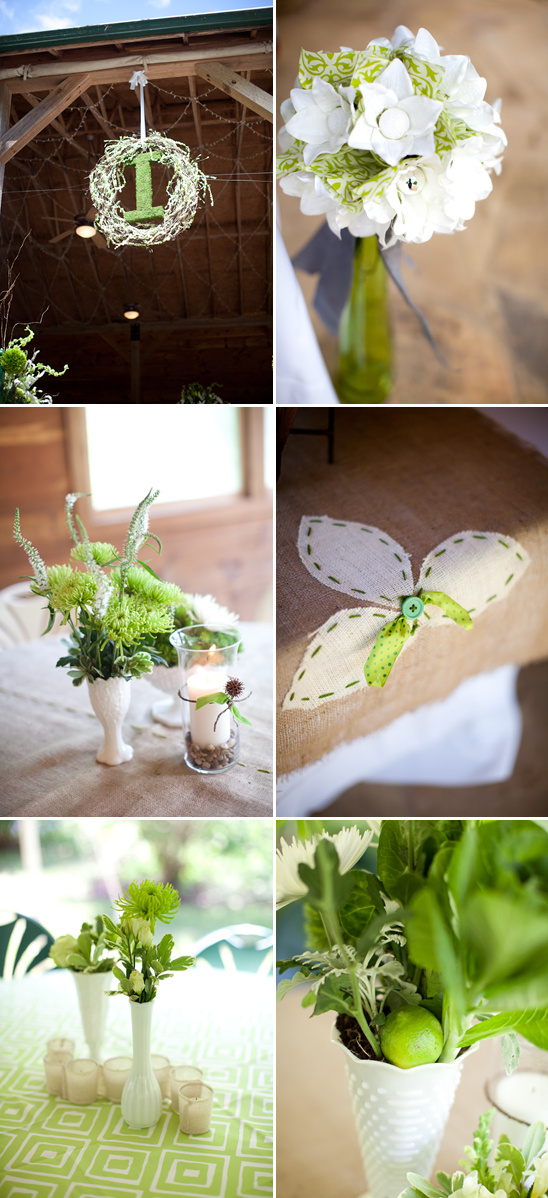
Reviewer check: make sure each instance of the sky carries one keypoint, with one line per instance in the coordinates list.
(23, 16)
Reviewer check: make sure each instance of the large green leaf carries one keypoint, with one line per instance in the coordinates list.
(432, 945)
(462, 870)
(524, 992)
(328, 890)
(505, 933)
(330, 997)
(533, 1025)
(287, 984)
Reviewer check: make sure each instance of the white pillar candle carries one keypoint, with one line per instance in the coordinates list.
(195, 1104)
(81, 1079)
(178, 1075)
(207, 682)
(60, 1049)
(523, 1096)
(161, 1066)
(116, 1072)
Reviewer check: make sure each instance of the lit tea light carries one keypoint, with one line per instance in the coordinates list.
(195, 1105)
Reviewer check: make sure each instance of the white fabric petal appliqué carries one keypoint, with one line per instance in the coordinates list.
(475, 569)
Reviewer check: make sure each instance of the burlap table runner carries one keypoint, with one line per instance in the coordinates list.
(420, 475)
(50, 737)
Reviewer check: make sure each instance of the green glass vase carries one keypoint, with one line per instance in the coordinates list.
(364, 371)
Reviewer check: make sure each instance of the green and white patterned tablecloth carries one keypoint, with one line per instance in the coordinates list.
(50, 1149)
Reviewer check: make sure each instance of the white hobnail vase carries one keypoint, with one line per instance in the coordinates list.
(400, 1116)
(167, 711)
(93, 1003)
(141, 1096)
(110, 700)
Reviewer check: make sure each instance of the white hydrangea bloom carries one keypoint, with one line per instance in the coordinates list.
(321, 117)
(394, 121)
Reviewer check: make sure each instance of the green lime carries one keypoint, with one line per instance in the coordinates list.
(411, 1036)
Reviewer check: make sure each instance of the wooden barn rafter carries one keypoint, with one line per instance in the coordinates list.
(204, 299)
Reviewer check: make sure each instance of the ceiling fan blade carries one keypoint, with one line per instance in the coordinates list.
(100, 241)
(63, 220)
(91, 214)
(61, 236)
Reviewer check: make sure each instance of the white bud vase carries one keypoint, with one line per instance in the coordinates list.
(110, 699)
(93, 1003)
(141, 1096)
(400, 1115)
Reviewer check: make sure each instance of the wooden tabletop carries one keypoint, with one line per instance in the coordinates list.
(484, 289)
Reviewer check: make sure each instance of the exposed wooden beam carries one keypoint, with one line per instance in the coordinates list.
(5, 106)
(198, 126)
(217, 324)
(169, 65)
(57, 124)
(235, 85)
(33, 122)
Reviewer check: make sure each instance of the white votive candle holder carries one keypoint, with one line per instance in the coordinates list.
(81, 1081)
(115, 1074)
(195, 1105)
(54, 1070)
(178, 1075)
(161, 1066)
(60, 1049)
(519, 1101)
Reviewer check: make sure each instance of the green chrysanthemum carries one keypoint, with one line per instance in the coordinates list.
(140, 582)
(66, 588)
(126, 619)
(102, 552)
(14, 361)
(149, 900)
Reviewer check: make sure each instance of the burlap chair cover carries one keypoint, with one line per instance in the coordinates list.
(420, 475)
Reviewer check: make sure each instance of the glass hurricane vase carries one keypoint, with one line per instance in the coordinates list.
(364, 371)
(207, 658)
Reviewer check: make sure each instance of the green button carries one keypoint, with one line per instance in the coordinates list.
(412, 607)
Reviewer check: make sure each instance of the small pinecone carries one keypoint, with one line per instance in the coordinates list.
(234, 688)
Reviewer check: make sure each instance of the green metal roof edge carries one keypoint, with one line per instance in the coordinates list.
(126, 30)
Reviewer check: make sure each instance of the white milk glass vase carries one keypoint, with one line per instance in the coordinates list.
(167, 679)
(93, 1003)
(400, 1116)
(110, 700)
(207, 659)
(141, 1096)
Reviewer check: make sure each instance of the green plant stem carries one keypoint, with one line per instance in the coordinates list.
(334, 931)
(453, 1030)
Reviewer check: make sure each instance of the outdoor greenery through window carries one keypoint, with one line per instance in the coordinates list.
(197, 458)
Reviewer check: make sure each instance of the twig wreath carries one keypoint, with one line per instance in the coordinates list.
(146, 224)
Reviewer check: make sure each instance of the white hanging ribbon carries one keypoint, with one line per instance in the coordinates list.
(140, 78)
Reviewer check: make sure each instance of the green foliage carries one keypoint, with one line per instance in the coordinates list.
(142, 963)
(19, 374)
(199, 393)
(86, 954)
(222, 699)
(149, 900)
(515, 1172)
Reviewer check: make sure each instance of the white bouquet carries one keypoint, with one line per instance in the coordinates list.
(394, 140)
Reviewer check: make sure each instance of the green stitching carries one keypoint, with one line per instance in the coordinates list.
(520, 557)
(316, 651)
(292, 696)
(317, 566)
(334, 579)
(425, 613)
(312, 521)
(308, 549)
(356, 616)
(429, 571)
(336, 524)
(503, 543)
(458, 541)
(404, 575)
(488, 600)
(440, 553)
(509, 580)
(327, 693)
(351, 684)
(357, 590)
(332, 627)
(366, 530)
(305, 699)
(309, 533)
(398, 556)
(478, 536)
(380, 616)
(387, 599)
(301, 675)
(470, 610)
(383, 542)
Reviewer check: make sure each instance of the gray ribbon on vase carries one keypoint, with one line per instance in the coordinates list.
(333, 258)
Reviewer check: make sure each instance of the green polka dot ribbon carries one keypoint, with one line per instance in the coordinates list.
(393, 636)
